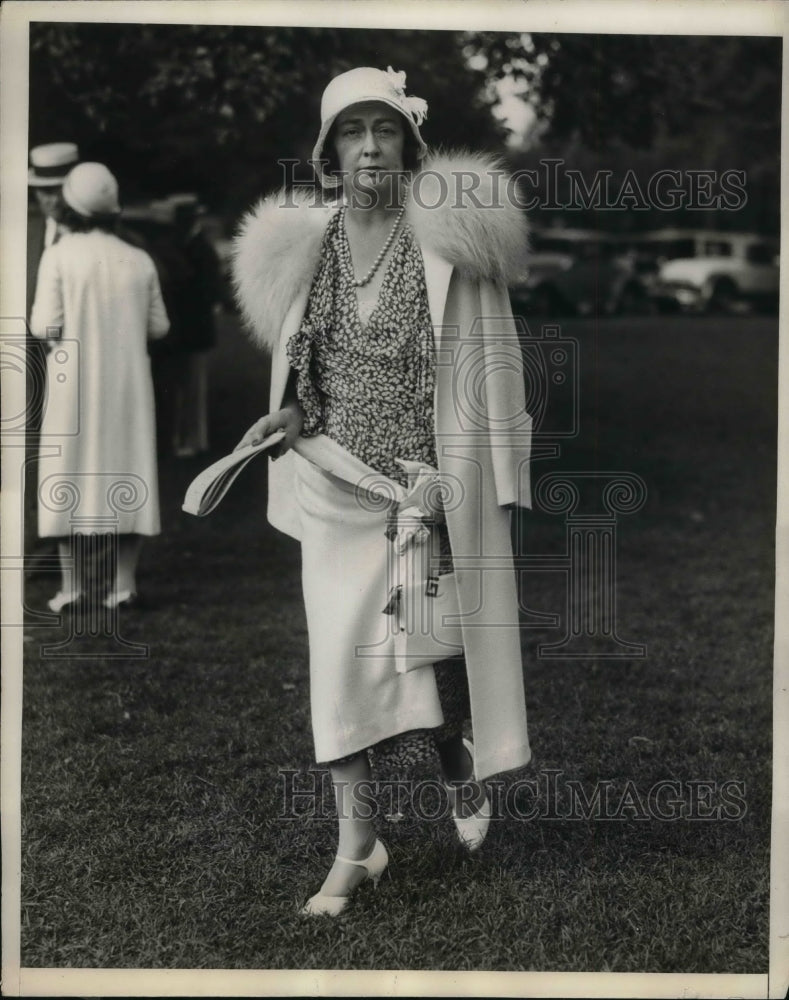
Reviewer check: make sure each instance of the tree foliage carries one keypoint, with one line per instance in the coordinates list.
(636, 89)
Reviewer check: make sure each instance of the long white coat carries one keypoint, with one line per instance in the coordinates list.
(97, 468)
(483, 433)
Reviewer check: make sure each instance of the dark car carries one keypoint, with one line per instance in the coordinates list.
(580, 272)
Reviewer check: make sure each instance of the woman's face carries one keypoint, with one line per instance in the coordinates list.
(369, 140)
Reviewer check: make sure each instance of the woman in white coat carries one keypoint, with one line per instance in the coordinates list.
(97, 302)
(392, 339)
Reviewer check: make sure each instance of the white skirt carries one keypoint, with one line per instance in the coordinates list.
(357, 697)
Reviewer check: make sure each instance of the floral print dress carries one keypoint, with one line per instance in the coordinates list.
(369, 386)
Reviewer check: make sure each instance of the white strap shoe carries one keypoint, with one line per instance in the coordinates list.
(473, 829)
(62, 600)
(332, 906)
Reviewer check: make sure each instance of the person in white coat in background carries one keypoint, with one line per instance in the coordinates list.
(97, 302)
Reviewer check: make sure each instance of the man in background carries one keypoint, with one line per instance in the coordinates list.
(49, 166)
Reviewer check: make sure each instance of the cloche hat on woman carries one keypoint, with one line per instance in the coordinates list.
(91, 190)
(366, 84)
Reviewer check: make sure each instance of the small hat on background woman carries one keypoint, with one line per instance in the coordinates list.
(91, 191)
(50, 163)
(366, 84)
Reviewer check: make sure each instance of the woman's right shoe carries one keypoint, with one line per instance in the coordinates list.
(332, 906)
(473, 829)
(127, 600)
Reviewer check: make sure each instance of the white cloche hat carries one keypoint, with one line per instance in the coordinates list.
(91, 190)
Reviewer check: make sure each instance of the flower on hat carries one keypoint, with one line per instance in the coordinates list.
(416, 106)
(397, 78)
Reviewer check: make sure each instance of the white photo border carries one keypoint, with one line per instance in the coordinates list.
(669, 17)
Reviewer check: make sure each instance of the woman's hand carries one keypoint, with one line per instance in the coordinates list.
(425, 490)
(289, 419)
(406, 528)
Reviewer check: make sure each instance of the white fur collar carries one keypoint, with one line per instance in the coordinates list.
(476, 227)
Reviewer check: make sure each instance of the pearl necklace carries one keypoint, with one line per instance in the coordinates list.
(359, 282)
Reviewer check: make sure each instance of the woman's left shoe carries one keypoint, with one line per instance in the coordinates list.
(64, 602)
(332, 906)
(473, 829)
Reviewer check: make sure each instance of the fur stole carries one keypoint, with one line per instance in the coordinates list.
(461, 207)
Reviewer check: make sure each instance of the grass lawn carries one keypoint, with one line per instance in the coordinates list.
(153, 833)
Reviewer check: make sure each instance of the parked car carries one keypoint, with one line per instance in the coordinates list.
(579, 272)
(670, 243)
(734, 272)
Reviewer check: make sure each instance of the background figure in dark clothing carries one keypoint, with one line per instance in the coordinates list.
(192, 286)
